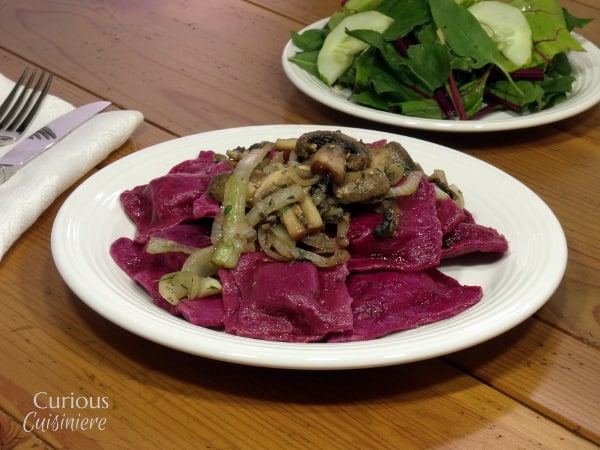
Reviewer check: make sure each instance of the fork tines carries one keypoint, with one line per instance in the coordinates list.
(24, 100)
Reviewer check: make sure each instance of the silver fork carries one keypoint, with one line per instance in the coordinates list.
(22, 104)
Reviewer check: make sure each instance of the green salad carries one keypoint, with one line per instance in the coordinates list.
(445, 59)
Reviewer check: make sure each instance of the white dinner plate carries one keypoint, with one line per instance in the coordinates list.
(585, 94)
(514, 286)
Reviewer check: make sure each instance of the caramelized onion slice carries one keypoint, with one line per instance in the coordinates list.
(274, 202)
(408, 186)
(183, 284)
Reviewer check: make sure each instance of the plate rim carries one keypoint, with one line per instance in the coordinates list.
(324, 95)
(277, 354)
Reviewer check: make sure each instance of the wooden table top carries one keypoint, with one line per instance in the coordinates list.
(198, 66)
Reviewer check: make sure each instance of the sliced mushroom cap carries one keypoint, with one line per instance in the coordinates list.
(356, 153)
(363, 186)
(392, 159)
(329, 159)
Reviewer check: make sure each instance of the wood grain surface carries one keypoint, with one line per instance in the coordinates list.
(194, 66)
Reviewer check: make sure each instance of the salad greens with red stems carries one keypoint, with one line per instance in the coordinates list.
(445, 59)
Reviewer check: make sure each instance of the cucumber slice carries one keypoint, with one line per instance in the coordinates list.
(362, 5)
(508, 27)
(339, 49)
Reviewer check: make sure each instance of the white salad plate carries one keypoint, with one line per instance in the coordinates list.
(515, 285)
(585, 94)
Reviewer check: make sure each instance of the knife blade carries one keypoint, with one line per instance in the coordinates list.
(46, 137)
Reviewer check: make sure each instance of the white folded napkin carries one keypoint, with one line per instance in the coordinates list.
(25, 195)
